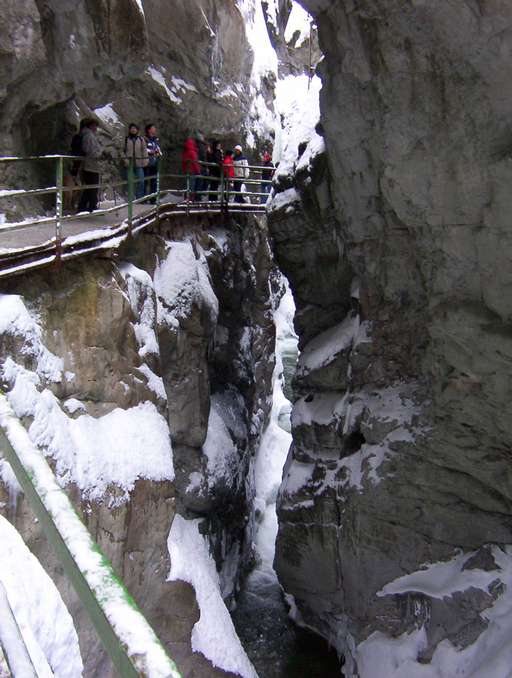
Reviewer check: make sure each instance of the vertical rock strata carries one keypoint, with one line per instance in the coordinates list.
(108, 363)
(396, 243)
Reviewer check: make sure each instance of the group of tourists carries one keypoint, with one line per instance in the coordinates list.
(143, 151)
(207, 166)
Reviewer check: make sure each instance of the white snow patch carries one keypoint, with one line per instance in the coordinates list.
(194, 481)
(298, 104)
(117, 448)
(43, 620)
(324, 348)
(17, 321)
(297, 476)
(107, 114)
(214, 634)
(261, 120)
(141, 7)
(142, 300)
(130, 626)
(299, 22)
(183, 85)
(159, 78)
(287, 199)
(322, 410)
(439, 580)
(219, 449)
(155, 383)
(73, 405)
(182, 281)
(490, 656)
(275, 441)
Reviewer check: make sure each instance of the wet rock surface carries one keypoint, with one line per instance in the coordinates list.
(128, 336)
(401, 428)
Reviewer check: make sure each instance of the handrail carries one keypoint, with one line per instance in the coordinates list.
(220, 187)
(112, 610)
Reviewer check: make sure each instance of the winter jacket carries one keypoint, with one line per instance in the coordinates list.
(135, 149)
(154, 150)
(216, 157)
(241, 167)
(189, 158)
(267, 174)
(229, 168)
(202, 155)
(91, 150)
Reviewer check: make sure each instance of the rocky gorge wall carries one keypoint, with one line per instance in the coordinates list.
(395, 242)
(147, 383)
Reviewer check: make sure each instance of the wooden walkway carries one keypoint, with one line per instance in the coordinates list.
(31, 247)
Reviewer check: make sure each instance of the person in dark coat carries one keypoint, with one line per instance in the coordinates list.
(216, 158)
(154, 155)
(91, 167)
(266, 175)
(190, 165)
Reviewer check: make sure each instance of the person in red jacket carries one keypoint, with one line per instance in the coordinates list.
(228, 168)
(190, 165)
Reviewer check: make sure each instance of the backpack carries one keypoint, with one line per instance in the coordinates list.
(76, 145)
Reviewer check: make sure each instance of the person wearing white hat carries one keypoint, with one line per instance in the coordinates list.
(241, 172)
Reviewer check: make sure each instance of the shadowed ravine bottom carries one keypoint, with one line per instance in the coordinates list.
(275, 645)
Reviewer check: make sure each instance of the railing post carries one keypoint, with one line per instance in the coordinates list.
(221, 197)
(130, 196)
(59, 203)
(158, 196)
(187, 200)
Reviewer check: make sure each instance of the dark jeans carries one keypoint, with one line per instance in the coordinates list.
(214, 188)
(202, 181)
(150, 173)
(89, 198)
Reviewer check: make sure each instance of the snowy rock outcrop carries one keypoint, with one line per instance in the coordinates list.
(395, 244)
(186, 67)
(147, 386)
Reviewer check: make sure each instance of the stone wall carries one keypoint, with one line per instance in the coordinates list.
(401, 431)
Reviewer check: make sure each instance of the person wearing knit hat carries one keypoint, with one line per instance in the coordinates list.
(241, 172)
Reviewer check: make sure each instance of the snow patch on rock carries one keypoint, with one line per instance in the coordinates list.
(214, 634)
(182, 281)
(94, 453)
(490, 655)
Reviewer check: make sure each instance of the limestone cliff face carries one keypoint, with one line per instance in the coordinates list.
(184, 68)
(397, 249)
(176, 335)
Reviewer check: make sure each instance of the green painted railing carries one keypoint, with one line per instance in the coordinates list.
(112, 610)
(223, 193)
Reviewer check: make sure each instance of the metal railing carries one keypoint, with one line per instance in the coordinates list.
(196, 187)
